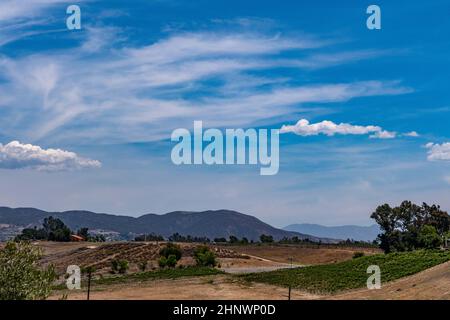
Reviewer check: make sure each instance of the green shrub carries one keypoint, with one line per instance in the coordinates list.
(358, 255)
(123, 266)
(162, 262)
(20, 276)
(119, 266)
(142, 265)
(171, 249)
(204, 257)
(170, 261)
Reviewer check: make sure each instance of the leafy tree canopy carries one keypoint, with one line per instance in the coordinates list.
(410, 226)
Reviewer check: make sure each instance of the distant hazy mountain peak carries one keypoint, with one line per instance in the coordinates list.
(361, 233)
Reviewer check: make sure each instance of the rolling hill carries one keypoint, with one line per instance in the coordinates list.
(212, 224)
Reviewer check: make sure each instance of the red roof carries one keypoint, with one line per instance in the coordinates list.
(75, 237)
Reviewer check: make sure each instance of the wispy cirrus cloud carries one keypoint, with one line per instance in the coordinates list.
(124, 93)
(16, 155)
(201, 44)
(13, 10)
(22, 19)
(324, 60)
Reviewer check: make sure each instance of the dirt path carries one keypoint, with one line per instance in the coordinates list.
(253, 264)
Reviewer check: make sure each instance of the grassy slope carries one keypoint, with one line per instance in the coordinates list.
(351, 274)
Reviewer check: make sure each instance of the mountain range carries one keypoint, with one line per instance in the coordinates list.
(361, 233)
(211, 224)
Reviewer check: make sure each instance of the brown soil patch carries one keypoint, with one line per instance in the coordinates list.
(301, 254)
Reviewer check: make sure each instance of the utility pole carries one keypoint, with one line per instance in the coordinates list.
(89, 283)
(289, 293)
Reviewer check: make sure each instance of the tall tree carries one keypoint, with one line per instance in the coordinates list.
(409, 226)
(56, 230)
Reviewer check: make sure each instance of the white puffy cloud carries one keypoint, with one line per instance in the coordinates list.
(384, 134)
(413, 134)
(329, 128)
(16, 155)
(438, 152)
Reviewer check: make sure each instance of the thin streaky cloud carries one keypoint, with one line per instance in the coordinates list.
(127, 86)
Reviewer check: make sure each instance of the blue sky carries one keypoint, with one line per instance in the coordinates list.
(86, 115)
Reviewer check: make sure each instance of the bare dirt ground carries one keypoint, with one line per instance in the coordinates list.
(253, 264)
(301, 255)
(53, 248)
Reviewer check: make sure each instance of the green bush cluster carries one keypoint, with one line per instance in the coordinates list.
(170, 261)
(169, 255)
(119, 266)
(142, 265)
(205, 257)
(20, 276)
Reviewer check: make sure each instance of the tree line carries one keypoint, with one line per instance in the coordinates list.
(176, 237)
(53, 229)
(409, 226)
